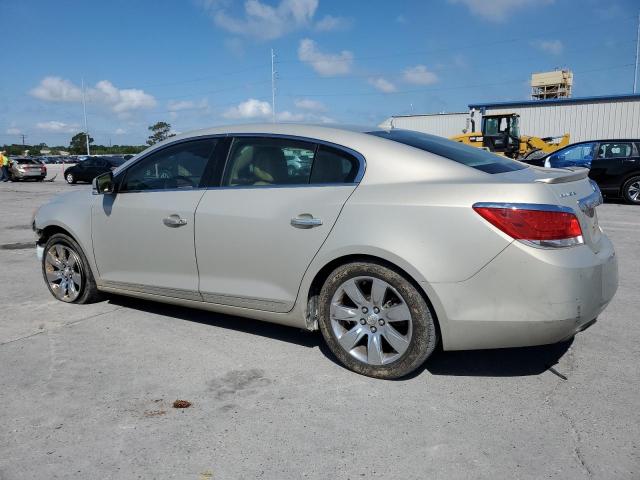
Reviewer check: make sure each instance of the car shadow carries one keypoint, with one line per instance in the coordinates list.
(273, 331)
(505, 362)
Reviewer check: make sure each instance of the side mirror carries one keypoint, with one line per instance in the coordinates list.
(103, 184)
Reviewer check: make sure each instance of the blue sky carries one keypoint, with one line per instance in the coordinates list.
(198, 63)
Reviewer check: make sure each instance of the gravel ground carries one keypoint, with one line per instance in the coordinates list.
(87, 391)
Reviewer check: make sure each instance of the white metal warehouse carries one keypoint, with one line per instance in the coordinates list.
(584, 118)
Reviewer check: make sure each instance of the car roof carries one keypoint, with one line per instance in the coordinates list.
(293, 129)
(605, 140)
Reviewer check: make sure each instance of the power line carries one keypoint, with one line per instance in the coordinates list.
(433, 89)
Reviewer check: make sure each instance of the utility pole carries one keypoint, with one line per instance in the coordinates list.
(635, 75)
(273, 86)
(86, 129)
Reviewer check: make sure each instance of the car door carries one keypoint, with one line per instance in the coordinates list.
(257, 232)
(143, 235)
(83, 169)
(614, 160)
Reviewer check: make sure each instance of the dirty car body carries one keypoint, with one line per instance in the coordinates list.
(388, 241)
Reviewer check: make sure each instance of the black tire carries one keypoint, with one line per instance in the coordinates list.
(70, 178)
(88, 292)
(630, 190)
(424, 337)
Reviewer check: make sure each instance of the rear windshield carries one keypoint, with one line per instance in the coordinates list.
(458, 152)
(25, 160)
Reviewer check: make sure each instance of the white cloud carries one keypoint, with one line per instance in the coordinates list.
(57, 89)
(419, 75)
(326, 64)
(287, 116)
(261, 20)
(55, 126)
(308, 104)
(177, 105)
(554, 47)
(120, 131)
(13, 131)
(249, 109)
(498, 10)
(329, 23)
(382, 84)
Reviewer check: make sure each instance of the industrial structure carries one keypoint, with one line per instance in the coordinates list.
(551, 85)
(583, 118)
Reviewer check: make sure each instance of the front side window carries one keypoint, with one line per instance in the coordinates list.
(268, 161)
(577, 153)
(180, 166)
(614, 150)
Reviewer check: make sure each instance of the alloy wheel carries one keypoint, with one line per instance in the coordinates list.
(633, 190)
(63, 271)
(371, 321)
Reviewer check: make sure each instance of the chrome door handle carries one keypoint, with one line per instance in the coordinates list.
(306, 222)
(174, 221)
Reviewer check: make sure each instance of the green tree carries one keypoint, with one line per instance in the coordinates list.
(159, 131)
(78, 145)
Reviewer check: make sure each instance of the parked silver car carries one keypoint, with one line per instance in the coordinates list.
(388, 241)
(21, 168)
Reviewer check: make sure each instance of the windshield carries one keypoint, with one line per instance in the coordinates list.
(458, 152)
(25, 160)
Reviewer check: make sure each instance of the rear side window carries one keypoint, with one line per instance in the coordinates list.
(470, 156)
(614, 150)
(334, 166)
(258, 161)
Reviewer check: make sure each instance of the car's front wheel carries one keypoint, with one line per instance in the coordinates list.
(631, 190)
(66, 271)
(70, 178)
(375, 320)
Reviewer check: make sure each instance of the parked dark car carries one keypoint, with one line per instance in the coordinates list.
(87, 170)
(24, 168)
(614, 165)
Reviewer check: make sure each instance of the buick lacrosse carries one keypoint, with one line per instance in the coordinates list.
(389, 242)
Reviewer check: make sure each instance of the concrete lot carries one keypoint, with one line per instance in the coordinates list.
(86, 391)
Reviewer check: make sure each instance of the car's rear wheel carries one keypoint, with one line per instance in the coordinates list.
(70, 178)
(66, 271)
(631, 190)
(375, 320)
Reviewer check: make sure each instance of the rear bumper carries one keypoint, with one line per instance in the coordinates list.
(24, 176)
(528, 296)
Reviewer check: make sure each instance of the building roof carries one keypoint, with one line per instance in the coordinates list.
(556, 101)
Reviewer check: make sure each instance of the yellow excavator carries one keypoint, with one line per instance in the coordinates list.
(501, 135)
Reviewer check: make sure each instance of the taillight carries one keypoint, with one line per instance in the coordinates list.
(537, 225)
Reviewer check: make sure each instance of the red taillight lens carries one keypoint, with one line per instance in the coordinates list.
(534, 225)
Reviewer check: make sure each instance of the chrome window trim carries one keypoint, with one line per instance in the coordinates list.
(359, 175)
(362, 162)
(543, 207)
